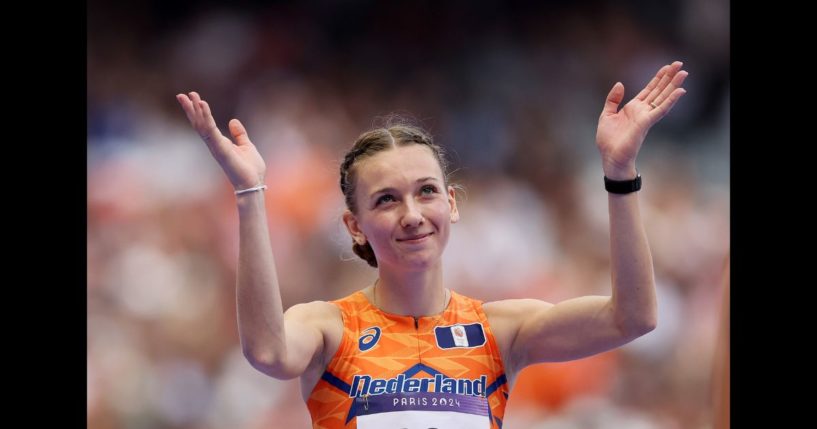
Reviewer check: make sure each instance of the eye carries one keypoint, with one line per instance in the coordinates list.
(379, 200)
(432, 188)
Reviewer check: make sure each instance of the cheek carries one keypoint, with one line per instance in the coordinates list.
(380, 226)
(442, 212)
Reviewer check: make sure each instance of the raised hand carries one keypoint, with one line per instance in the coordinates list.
(240, 160)
(621, 132)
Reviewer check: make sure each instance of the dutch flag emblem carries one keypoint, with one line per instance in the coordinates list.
(460, 336)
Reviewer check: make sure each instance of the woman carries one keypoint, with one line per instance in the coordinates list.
(406, 351)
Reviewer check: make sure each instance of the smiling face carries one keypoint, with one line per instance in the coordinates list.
(400, 196)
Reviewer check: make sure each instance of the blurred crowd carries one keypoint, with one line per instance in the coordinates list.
(513, 91)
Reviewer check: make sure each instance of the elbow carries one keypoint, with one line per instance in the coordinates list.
(260, 358)
(267, 361)
(648, 325)
(634, 327)
(641, 327)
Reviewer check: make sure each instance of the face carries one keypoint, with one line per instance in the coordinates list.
(400, 196)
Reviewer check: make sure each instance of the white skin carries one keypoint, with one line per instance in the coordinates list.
(301, 341)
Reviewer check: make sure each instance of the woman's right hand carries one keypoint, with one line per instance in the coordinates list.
(241, 161)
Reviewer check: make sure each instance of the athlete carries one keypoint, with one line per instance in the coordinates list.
(406, 351)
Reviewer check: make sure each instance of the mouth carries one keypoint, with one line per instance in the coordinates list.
(415, 239)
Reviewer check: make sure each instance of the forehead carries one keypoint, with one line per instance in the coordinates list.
(400, 166)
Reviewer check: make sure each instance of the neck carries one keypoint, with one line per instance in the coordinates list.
(415, 294)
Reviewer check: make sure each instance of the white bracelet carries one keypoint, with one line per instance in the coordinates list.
(255, 188)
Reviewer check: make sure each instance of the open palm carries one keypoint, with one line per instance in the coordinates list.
(241, 161)
(621, 132)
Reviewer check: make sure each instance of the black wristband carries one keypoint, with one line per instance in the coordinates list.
(622, 186)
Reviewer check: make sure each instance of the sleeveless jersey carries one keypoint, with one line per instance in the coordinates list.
(393, 371)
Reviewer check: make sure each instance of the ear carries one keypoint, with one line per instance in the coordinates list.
(452, 201)
(353, 227)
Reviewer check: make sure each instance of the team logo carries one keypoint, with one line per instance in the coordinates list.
(465, 336)
(369, 338)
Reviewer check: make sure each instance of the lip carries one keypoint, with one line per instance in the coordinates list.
(416, 240)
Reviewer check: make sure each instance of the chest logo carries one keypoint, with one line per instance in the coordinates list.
(465, 336)
(369, 338)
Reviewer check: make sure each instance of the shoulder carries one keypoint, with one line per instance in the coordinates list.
(507, 315)
(333, 312)
(326, 318)
(320, 315)
(512, 308)
(506, 318)
(314, 308)
(314, 311)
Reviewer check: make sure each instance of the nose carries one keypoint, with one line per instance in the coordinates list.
(412, 216)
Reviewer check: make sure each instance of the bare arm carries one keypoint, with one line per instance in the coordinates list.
(276, 344)
(532, 331)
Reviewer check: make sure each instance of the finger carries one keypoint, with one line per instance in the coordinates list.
(187, 106)
(665, 80)
(239, 132)
(614, 98)
(210, 133)
(653, 83)
(676, 82)
(662, 110)
(195, 98)
(204, 125)
(657, 89)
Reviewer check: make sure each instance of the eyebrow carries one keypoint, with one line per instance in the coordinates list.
(421, 180)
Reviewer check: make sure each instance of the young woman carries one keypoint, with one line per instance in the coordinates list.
(407, 351)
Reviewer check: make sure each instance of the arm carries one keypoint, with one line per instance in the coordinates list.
(533, 331)
(278, 344)
(274, 343)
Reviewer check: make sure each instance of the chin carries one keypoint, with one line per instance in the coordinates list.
(412, 262)
(418, 262)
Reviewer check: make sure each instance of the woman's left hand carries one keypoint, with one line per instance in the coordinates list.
(621, 132)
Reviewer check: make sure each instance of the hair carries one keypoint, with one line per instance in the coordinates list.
(395, 133)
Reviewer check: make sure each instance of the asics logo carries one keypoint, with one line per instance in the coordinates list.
(369, 338)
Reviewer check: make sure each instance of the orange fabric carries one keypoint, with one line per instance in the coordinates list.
(404, 349)
(551, 386)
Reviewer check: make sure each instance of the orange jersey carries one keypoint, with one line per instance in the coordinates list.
(443, 370)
